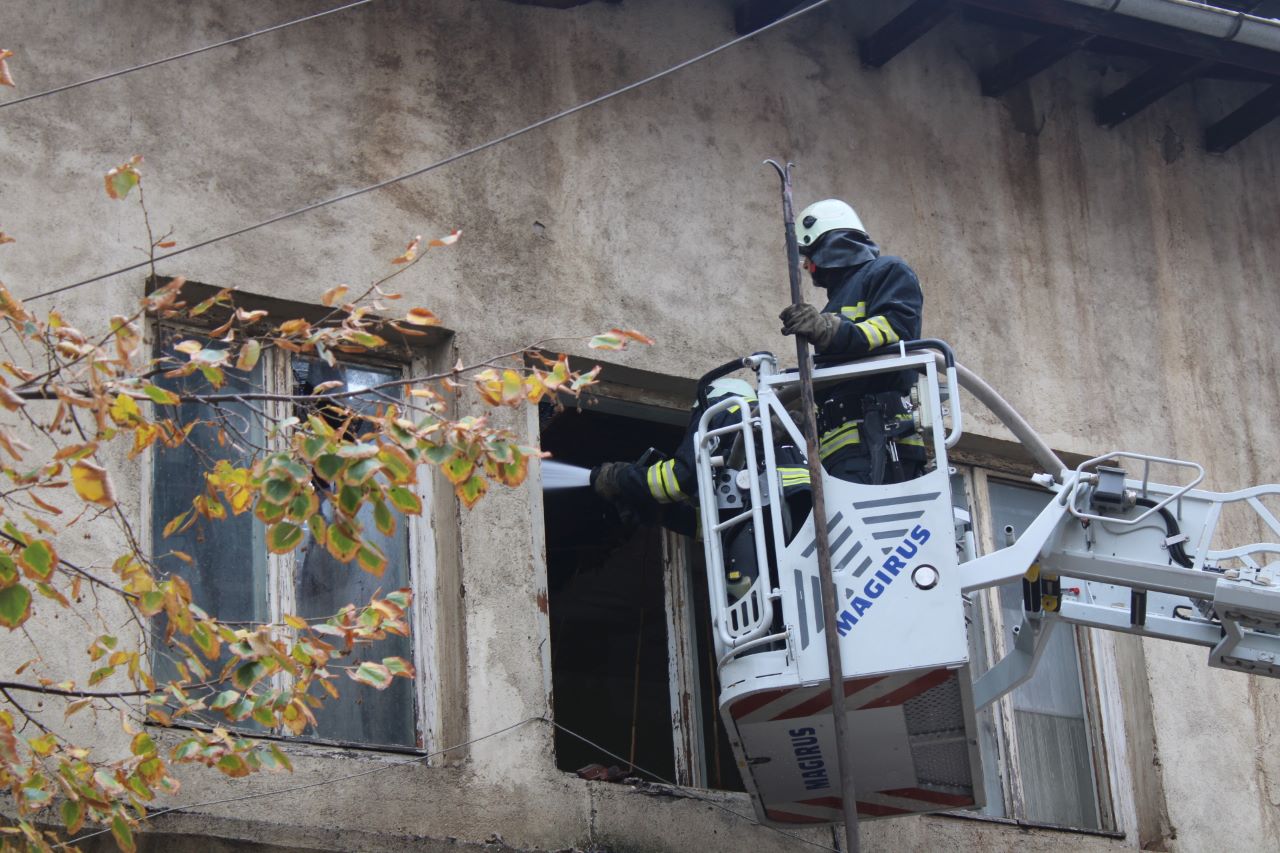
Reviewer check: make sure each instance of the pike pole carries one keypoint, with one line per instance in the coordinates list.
(835, 667)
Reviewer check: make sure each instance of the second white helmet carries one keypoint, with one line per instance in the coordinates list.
(821, 217)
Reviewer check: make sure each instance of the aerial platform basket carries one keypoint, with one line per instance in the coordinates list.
(901, 622)
(1107, 551)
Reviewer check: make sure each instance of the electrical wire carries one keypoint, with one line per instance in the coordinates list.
(690, 793)
(417, 759)
(112, 74)
(453, 158)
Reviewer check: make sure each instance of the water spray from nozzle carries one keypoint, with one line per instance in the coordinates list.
(561, 475)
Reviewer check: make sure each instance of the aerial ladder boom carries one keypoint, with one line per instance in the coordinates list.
(1108, 551)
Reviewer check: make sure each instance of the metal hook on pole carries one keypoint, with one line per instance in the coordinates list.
(835, 666)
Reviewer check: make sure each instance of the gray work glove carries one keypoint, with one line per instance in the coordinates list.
(808, 322)
(606, 479)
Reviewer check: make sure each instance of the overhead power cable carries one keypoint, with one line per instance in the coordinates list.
(453, 158)
(120, 73)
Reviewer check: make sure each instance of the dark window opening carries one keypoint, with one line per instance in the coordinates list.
(612, 675)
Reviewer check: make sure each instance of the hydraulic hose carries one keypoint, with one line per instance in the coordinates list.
(1176, 551)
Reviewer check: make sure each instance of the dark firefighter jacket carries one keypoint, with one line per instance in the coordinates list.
(668, 489)
(881, 303)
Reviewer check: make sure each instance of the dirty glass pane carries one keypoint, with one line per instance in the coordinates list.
(988, 740)
(1055, 761)
(324, 585)
(229, 569)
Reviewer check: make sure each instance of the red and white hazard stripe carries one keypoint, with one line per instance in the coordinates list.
(861, 694)
(899, 801)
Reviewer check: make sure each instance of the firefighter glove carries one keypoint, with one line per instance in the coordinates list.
(810, 323)
(606, 479)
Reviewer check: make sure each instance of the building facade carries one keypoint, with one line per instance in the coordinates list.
(1116, 284)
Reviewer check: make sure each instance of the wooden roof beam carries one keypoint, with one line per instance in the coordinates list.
(1037, 56)
(751, 15)
(1260, 110)
(1125, 28)
(1145, 89)
(897, 35)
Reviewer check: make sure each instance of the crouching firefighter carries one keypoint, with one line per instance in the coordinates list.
(866, 433)
(665, 491)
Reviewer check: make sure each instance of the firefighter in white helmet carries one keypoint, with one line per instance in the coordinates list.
(873, 301)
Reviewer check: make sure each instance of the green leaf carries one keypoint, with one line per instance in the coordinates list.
(160, 396)
(328, 465)
(283, 538)
(349, 499)
(123, 834)
(142, 744)
(186, 750)
(398, 666)
(280, 757)
(38, 559)
(373, 674)
(360, 472)
(248, 674)
(371, 559)
(383, 519)
(151, 603)
(100, 674)
(458, 468)
(269, 513)
(365, 339)
(279, 490)
(342, 542)
(472, 490)
(15, 605)
(8, 571)
(225, 699)
(313, 446)
(396, 462)
(73, 815)
(405, 500)
(606, 341)
(233, 765)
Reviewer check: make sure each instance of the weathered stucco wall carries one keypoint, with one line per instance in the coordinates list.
(1117, 286)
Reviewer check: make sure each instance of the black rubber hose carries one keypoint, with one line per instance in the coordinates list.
(714, 374)
(1176, 550)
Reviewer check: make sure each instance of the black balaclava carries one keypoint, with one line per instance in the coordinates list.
(836, 252)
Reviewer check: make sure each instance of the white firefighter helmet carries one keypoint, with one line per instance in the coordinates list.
(726, 387)
(830, 214)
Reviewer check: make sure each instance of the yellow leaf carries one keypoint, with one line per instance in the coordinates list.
(92, 484)
(248, 357)
(5, 238)
(6, 79)
(422, 317)
(333, 294)
(9, 399)
(189, 347)
(124, 411)
(410, 252)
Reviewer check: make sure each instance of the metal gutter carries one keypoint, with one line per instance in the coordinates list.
(1225, 24)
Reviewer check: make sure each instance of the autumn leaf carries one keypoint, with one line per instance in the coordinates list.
(121, 180)
(5, 238)
(633, 335)
(422, 317)
(375, 675)
(6, 79)
(410, 252)
(447, 241)
(333, 294)
(15, 606)
(608, 341)
(92, 483)
(249, 354)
